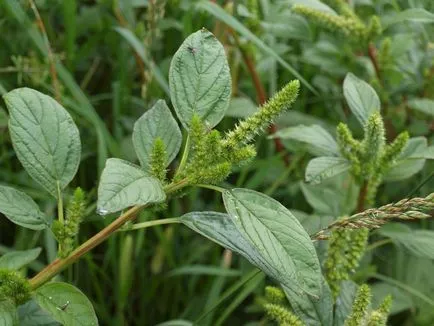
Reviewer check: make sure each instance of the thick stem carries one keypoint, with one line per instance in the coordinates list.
(372, 52)
(362, 197)
(59, 265)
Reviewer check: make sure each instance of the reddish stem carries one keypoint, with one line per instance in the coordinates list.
(262, 98)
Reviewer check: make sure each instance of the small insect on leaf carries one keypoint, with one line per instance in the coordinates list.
(192, 50)
(63, 307)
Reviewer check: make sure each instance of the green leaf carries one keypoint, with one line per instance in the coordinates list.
(21, 209)
(361, 98)
(411, 160)
(325, 167)
(334, 197)
(241, 107)
(319, 140)
(66, 304)
(204, 270)
(18, 259)
(45, 138)
(158, 122)
(417, 15)
(275, 232)
(418, 242)
(400, 300)
(123, 185)
(312, 311)
(422, 104)
(344, 302)
(199, 79)
(8, 314)
(231, 21)
(220, 228)
(137, 45)
(176, 322)
(31, 314)
(404, 169)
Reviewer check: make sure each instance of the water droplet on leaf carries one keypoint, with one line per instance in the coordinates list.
(101, 211)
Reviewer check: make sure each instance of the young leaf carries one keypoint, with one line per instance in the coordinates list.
(320, 141)
(31, 314)
(66, 304)
(18, 259)
(312, 311)
(325, 167)
(8, 313)
(45, 138)
(275, 232)
(199, 79)
(361, 98)
(220, 228)
(123, 184)
(158, 122)
(21, 209)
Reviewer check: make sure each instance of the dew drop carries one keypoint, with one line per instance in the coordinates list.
(101, 211)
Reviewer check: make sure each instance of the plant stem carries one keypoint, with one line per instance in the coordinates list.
(148, 224)
(377, 244)
(59, 265)
(60, 204)
(212, 187)
(60, 211)
(261, 94)
(184, 156)
(51, 59)
(372, 52)
(362, 197)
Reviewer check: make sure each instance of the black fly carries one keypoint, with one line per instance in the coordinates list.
(192, 49)
(63, 307)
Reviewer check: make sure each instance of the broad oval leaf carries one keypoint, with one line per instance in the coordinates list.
(325, 167)
(66, 304)
(361, 98)
(18, 259)
(220, 228)
(313, 312)
(123, 185)
(199, 79)
(158, 122)
(8, 313)
(319, 140)
(21, 209)
(31, 314)
(45, 138)
(275, 232)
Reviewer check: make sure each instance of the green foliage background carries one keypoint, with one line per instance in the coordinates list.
(112, 62)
